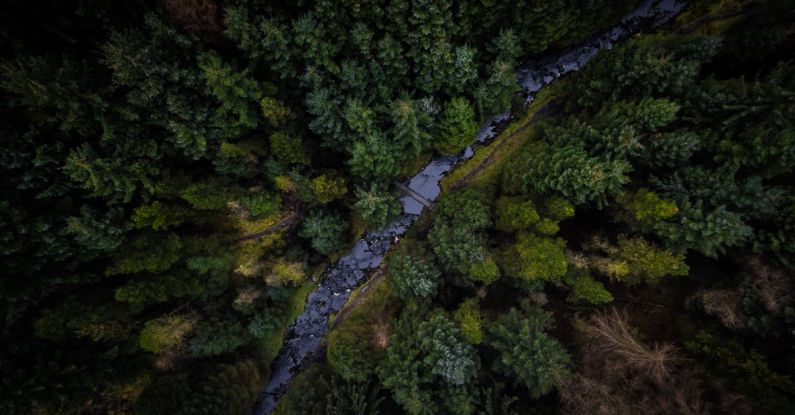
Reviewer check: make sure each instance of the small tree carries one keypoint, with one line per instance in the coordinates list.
(645, 207)
(485, 271)
(469, 319)
(412, 277)
(457, 127)
(165, 333)
(588, 290)
(289, 149)
(647, 262)
(514, 213)
(351, 353)
(448, 355)
(535, 258)
(528, 352)
(324, 231)
(376, 205)
(328, 187)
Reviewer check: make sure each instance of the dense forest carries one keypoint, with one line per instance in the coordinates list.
(177, 175)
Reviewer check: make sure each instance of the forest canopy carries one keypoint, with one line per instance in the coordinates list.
(178, 174)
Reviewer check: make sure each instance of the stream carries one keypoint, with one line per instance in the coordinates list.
(302, 339)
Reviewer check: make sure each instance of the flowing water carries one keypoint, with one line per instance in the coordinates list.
(303, 338)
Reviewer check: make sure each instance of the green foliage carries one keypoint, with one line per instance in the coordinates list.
(99, 233)
(226, 389)
(133, 143)
(210, 194)
(447, 354)
(374, 157)
(148, 252)
(239, 159)
(261, 204)
(708, 232)
(646, 208)
(106, 176)
(635, 260)
(288, 149)
(514, 213)
(412, 277)
(536, 258)
(286, 272)
(351, 352)
(376, 205)
(495, 95)
(469, 319)
(546, 226)
(159, 216)
(643, 67)
(568, 172)
(537, 360)
(275, 112)
(558, 209)
(403, 370)
(325, 231)
(328, 187)
(745, 370)
(216, 336)
(409, 122)
(457, 127)
(165, 333)
(425, 361)
(456, 237)
(485, 271)
(237, 93)
(585, 289)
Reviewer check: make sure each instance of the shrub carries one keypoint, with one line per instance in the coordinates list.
(485, 271)
(469, 320)
(514, 213)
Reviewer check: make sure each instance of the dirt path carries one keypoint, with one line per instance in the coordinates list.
(288, 221)
(548, 108)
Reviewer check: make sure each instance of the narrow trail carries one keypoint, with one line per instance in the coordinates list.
(548, 109)
(288, 221)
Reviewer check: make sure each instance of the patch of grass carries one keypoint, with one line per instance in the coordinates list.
(270, 345)
(496, 153)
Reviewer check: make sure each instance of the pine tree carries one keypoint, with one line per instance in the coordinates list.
(324, 230)
(457, 127)
(528, 352)
(376, 206)
(412, 277)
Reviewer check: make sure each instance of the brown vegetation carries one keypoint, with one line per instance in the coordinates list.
(620, 374)
(200, 18)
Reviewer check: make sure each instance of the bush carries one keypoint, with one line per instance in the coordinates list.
(485, 271)
(328, 187)
(469, 320)
(536, 258)
(351, 353)
(514, 213)
(289, 150)
(588, 290)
